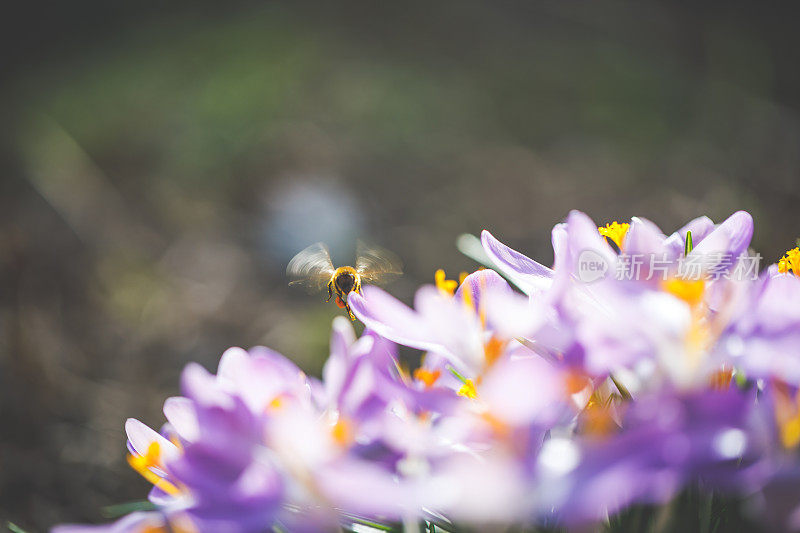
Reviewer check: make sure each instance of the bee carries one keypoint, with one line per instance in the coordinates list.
(313, 269)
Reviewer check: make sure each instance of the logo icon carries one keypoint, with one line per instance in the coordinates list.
(591, 266)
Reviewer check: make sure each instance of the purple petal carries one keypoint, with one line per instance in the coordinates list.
(583, 236)
(510, 314)
(700, 228)
(527, 274)
(141, 436)
(480, 283)
(507, 390)
(455, 327)
(363, 488)
(390, 318)
(765, 338)
(181, 415)
(644, 237)
(731, 237)
(199, 385)
(232, 362)
(334, 372)
(560, 240)
(269, 360)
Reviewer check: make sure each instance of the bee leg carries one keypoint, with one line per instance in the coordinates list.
(330, 291)
(349, 312)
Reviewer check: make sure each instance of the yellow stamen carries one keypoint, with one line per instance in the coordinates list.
(143, 463)
(468, 390)
(447, 286)
(428, 377)
(596, 418)
(700, 334)
(466, 296)
(787, 415)
(276, 403)
(790, 433)
(342, 432)
(790, 262)
(615, 232)
(690, 291)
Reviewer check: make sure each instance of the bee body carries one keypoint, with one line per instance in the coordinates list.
(313, 269)
(344, 281)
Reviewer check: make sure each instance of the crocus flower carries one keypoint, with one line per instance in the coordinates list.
(666, 441)
(579, 240)
(764, 336)
(462, 328)
(605, 323)
(590, 391)
(292, 447)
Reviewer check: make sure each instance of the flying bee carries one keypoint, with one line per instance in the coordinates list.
(313, 269)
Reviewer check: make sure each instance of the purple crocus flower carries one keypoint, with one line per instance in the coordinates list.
(668, 440)
(288, 451)
(604, 323)
(561, 405)
(361, 375)
(233, 485)
(578, 238)
(455, 329)
(764, 336)
(470, 465)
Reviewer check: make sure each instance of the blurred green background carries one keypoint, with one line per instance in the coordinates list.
(160, 165)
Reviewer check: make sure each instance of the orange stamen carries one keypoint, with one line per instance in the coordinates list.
(499, 427)
(690, 291)
(787, 415)
(342, 432)
(575, 382)
(493, 349)
(144, 463)
(428, 377)
(721, 379)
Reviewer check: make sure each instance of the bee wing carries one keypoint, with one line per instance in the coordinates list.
(312, 267)
(375, 264)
